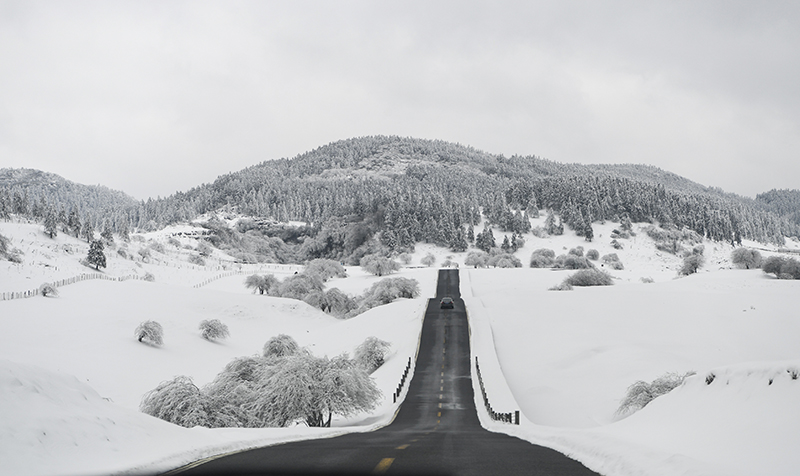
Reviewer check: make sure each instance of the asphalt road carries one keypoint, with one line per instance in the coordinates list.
(436, 431)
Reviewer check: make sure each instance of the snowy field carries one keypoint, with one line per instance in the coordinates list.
(72, 374)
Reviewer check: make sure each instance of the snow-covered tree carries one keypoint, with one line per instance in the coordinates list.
(262, 284)
(51, 223)
(477, 259)
(371, 353)
(96, 257)
(428, 260)
(213, 329)
(150, 331)
(325, 269)
(641, 393)
(746, 258)
(378, 265)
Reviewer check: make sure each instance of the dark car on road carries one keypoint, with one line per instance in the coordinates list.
(446, 303)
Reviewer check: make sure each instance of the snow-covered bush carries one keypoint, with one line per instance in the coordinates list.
(561, 287)
(11, 254)
(204, 249)
(378, 265)
(746, 258)
(179, 401)
(151, 332)
(197, 260)
(616, 245)
(612, 260)
(297, 286)
(428, 260)
(47, 289)
(213, 329)
(589, 277)
(542, 258)
(691, 264)
(405, 258)
(646, 280)
(477, 259)
(149, 277)
(386, 291)
(262, 284)
(572, 262)
(325, 269)
(282, 345)
(782, 267)
(371, 353)
(641, 393)
(577, 251)
(593, 255)
(504, 260)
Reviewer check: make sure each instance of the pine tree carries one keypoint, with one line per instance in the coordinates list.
(51, 223)
(96, 256)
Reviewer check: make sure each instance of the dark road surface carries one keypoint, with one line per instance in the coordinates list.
(436, 431)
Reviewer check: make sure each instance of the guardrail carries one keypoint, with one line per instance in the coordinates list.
(402, 383)
(64, 282)
(503, 417)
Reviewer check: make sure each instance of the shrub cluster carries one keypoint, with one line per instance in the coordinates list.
(782, 267)
(671, 240)
(641, 393)
(286, 386)
(572, 261)
(504, 260)
(692, 262)
(371, 354)
(613, 262)
(379, 265)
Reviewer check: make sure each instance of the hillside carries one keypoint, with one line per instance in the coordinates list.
(385, 194)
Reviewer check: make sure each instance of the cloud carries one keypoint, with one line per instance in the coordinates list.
(156, 97)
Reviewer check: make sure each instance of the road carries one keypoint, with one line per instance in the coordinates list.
(436, 431)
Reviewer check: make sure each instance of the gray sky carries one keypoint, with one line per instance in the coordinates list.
(156, 97)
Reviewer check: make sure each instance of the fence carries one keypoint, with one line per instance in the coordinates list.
(504, 417)
(402, 383)
(243, 272)
(65, 282)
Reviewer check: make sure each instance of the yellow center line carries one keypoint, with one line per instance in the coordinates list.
(439, 414)
(383, 466)
(402, 447)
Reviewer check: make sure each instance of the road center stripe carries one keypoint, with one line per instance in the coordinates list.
(383, 466)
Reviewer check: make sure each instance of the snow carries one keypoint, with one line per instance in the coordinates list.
(72, 374)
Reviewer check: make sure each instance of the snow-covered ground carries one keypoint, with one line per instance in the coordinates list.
(72, 374)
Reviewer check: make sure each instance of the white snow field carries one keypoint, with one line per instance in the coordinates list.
(72, 373)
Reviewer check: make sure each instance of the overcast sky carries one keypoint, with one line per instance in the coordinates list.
(156, 97)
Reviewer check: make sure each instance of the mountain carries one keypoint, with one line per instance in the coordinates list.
(784, 203)
(380, 193)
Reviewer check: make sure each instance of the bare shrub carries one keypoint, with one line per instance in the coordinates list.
(150, 332)
(641, 393)
(197, 260)
(213, 329)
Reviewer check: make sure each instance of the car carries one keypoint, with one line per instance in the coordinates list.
(446, 303)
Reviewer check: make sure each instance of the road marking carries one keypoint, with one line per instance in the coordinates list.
(402, 447)
(440, 396)
(440, 405)
(441, 389)
(439, 414)
(442, 374)
(383, 466)
(444, 350)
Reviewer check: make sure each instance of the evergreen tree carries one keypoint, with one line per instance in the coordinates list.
(506, 246)
(96, 256)
(51, 223)
(459, 241)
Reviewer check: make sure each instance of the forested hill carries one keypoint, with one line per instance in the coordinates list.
(785, 203)
(35, 194)
(422, 190)
(400, 191)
